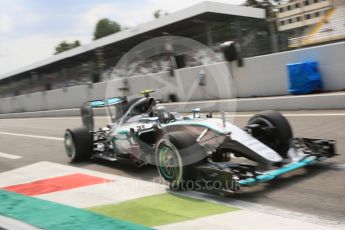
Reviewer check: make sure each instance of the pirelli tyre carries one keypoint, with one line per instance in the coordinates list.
(177, 156)
(279, 139)
(78, 144)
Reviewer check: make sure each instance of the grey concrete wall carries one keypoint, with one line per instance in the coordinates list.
(267, 75)
(184, 84)
(260, 76)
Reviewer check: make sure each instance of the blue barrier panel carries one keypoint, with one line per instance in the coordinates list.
(304, 77)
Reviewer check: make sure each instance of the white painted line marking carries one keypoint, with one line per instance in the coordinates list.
(215, 116)
(312, 114)
(335, 166)
(52, 118)
(32, 136)
(339, 166)
(9, 223)
(310, 218)
(9, 156)
(288, 115)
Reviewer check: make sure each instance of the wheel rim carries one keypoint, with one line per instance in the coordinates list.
(169, 164)
(69, 145)
(271, 141)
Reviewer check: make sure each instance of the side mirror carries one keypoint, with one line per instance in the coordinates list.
(87, 116)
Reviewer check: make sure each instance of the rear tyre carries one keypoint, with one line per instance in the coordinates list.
(78, 144)
(177, 156)
(278, 140)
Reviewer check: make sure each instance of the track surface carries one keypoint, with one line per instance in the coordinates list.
(317, 190)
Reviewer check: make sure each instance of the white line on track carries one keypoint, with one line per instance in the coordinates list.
(51, 118)
(9, 223)
(32, 136)
(290, 115)
(216, 116)
(339, 166)
(9, 156)
(335, 166)
(313, 115)
(265, 209)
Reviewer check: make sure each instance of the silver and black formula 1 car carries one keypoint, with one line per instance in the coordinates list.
(194, 152)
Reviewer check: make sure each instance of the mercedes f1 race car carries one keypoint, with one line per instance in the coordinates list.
(194, 152)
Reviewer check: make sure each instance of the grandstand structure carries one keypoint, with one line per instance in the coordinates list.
(310, 22)
(208, 22)
(330, 28)
(297, 15)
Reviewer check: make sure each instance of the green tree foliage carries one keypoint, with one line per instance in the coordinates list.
(105, 27)
(64, 46)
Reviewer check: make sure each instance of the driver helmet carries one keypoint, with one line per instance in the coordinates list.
(163, 114)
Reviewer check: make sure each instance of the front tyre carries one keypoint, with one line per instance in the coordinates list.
(78, 144)
(177, 156)
(278, 140)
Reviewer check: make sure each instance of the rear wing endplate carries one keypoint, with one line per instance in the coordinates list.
(113, 105)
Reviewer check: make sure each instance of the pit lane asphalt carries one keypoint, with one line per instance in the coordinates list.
(317, 190)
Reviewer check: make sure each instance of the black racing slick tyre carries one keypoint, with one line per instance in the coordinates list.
(280, 139)
(177, 156)
(78, 144)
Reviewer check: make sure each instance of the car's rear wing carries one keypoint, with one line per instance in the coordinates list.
(115, 107)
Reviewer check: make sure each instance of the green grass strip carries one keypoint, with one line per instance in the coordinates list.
(49, 215)
(162, 209)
